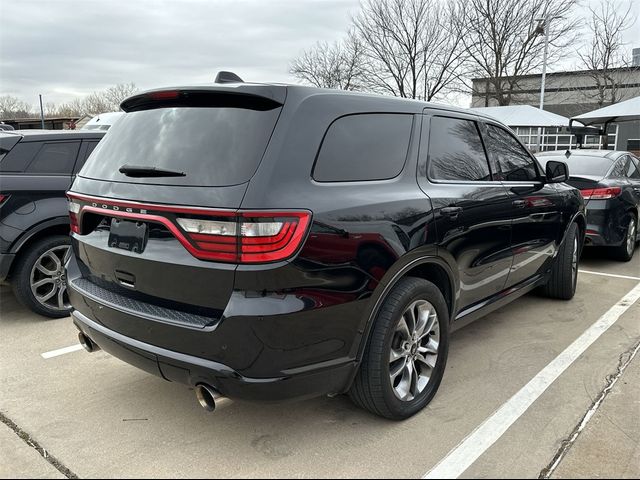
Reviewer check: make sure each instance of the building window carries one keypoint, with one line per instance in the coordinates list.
(554, 138)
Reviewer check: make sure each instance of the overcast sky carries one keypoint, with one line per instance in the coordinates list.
(67, 48)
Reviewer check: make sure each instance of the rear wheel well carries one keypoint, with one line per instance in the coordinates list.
(62, 229)
(437, 275)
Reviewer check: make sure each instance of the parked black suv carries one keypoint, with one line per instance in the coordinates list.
(36, 169)
(271, 242)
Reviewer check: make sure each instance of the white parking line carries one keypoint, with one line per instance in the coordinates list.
(474, 445)
(61, 351)
(609, 275)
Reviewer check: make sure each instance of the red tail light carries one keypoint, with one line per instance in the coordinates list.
(249, 237)
(217, 235)
(3, 198)
(74, 209)
(601, 193)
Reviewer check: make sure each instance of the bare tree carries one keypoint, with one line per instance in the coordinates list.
(12, 107)
(505, 39)
(410, 46)
(338, 65)
(106, 100)
(113, 96)
(604, 56)
(74, 108)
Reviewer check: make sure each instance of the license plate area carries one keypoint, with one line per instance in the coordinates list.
(127, 235)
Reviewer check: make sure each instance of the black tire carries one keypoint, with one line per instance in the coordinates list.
(564, 273)
(372, 389)
(21, 276)
(625, 252)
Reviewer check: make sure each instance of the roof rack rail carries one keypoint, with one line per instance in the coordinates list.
(227, 77)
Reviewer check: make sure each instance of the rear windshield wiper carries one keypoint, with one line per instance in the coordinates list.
(137, 171)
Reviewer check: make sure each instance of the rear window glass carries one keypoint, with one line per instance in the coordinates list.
(364, 147)
(56, 158)
(585, 165)
(212, 146)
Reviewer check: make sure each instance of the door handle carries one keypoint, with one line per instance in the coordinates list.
(519, 203)
(452, 212)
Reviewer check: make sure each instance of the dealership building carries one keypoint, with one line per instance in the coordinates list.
(567, 94)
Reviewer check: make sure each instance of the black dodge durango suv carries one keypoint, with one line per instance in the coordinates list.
(272, 242)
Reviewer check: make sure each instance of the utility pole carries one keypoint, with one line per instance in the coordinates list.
(545, 27)
(41, 113)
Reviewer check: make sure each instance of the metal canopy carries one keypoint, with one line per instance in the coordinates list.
(524, 116)
(626, 111)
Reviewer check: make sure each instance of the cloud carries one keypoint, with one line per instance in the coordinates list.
(66, 48)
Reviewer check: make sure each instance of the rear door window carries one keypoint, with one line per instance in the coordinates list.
(631, 169)
(456, 152)
(55, 158)
(618, 170)
(19, 157)
(212, 146)
(509, 160)
(364, 147)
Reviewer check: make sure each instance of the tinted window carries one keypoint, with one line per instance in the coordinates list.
(632, 169)
(364, 147)
(91, 145)
(213, 146)
(7, 142)
(618, 170)
(456, 151)
(55, 158)
(19, 157)
(509, 160)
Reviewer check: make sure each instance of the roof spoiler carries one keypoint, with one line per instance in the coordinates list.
(227, 77)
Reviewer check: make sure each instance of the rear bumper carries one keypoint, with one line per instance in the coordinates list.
(190, 370)
(6, 260)
(605, 227)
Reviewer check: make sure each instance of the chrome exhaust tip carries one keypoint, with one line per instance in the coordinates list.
(87, 343)
(208, 397)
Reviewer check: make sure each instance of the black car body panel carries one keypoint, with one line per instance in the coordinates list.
(297, 326)
(36, 202)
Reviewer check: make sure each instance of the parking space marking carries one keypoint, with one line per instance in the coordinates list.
(61, 351)
(610, 275)
(475, 444)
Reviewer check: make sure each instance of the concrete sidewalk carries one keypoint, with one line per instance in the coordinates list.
(19, 460)
(609, 446)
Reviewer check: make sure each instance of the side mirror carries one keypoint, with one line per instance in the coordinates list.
(557, 172)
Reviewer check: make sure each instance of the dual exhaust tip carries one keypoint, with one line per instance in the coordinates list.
(208, 397)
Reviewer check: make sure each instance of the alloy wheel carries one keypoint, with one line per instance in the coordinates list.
(414, 350)
(631, 237)
(48, 279)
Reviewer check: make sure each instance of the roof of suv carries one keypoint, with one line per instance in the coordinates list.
(278, 92)
(54, 134)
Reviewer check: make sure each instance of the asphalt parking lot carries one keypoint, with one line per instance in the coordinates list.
(84, 415)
